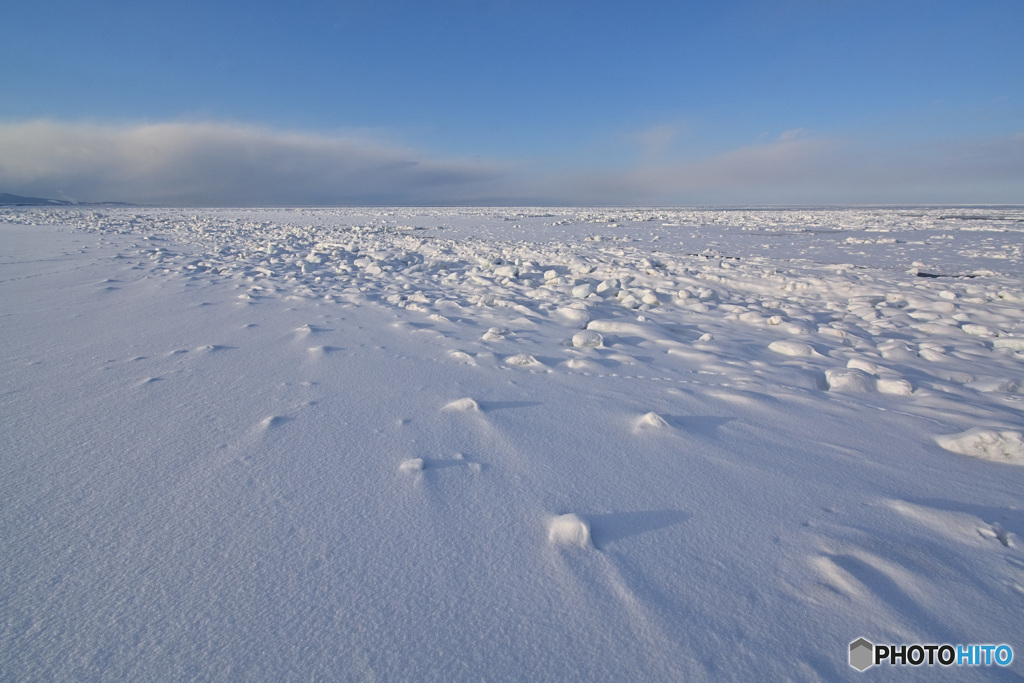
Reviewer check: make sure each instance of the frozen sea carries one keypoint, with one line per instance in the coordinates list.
(508, 444)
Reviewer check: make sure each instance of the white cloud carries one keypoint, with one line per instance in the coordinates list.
(224, 164)
(800, 169)
(229, 164)
(736, 176)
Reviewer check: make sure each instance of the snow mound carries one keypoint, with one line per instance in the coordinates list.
(848, 380)
(650, 421)
(496, 334)
(862, 364)
(573, 316)
(897, 387)
(979, 330)
(582, 365)
(461, 356)
(1015, 343)
(523, 360)
(273, 421)
(568, 530)
(620, 327)
(791, 348)
(412, 465)
(987, 444)
(587, 339)
(582, 291)
(464, 404)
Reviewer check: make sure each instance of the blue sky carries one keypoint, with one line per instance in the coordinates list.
(501, 101)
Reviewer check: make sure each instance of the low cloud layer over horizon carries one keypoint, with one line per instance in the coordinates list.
(231, 164)
(208, 164)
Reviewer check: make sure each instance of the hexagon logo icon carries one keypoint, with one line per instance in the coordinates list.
(862, 654)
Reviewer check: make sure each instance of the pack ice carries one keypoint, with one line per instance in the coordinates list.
(507, 444)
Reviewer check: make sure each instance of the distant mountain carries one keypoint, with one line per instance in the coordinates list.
(17, 200)
(7, 199)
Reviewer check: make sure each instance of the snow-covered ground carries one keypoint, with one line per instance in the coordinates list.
(507, 444)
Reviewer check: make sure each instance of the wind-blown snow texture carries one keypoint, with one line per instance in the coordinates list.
(375, 444)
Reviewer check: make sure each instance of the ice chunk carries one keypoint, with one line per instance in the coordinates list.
(651, 421)
(897, 387)
(862, 364)
(568, 530)
(463, 404)
(1015, 343)
(583, 291)
(523, 360)
(848, 380)
(411, 465)
(587, 339)
(791, 348)
(979, 330)
(496, 334)
(574, 316)
(987, 444)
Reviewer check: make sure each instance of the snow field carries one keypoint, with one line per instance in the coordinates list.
(608, 445)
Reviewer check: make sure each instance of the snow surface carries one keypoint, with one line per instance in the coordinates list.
(468, 444)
